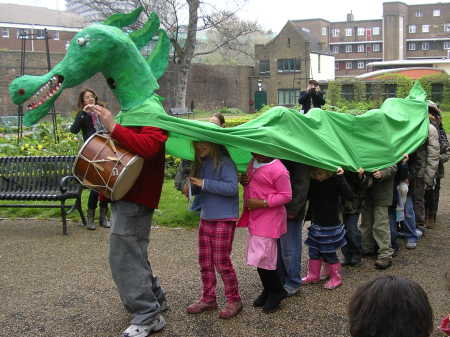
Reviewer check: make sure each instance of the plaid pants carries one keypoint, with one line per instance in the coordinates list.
(215, 241)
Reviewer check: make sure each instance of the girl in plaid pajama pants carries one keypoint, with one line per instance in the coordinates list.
(214, 180)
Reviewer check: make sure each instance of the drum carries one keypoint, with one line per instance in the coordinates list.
(103, 165)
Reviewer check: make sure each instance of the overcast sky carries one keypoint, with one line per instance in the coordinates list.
(273, 14)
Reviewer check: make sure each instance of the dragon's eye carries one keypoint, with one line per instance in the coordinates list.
(81, 41)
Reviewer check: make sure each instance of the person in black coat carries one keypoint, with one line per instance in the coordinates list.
(312, 97)
(89, 125)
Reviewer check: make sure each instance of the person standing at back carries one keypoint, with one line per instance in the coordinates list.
(89, 124)
(312, 97)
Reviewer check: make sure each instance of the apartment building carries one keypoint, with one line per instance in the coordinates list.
(404, 32)
(29, 22)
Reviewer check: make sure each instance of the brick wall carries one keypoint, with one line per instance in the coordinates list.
(209, 86)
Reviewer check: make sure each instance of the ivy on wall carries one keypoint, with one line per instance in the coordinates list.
(374, 92)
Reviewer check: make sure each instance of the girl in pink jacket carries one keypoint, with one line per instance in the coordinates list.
(267, 190)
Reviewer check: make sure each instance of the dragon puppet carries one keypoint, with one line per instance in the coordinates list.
(374, 140)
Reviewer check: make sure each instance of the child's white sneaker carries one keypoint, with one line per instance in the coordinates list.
(145, 330)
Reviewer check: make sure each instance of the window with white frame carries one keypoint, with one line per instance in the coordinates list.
(288, 65)
(360, 48)
(447, 28)
(436, 12)
(425, 28)
(446, 44)
(288, 96)
(375, 30)
(335, 32)
(335, 49)
(336, 66)
(5, 33)
(55, 35)
(40, 33)
(419, 14)
(22, 33)
(324, 31)
(361, 65)
(264, 66)
(411, 46)
(425, 45)
(348, 65)
(361, 31)
(376, 47)
(348, 31)
(412, 29)
(348, 48)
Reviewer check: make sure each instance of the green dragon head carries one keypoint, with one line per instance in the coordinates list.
(98, 48)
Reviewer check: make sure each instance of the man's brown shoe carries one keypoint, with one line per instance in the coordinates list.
(231, 309)
(383, 263)
(199, 306)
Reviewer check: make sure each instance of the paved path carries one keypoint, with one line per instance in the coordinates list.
(57, 286)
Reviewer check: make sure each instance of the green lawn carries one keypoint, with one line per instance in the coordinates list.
(173, 209)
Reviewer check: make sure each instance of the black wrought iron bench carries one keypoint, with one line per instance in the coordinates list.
(40, 179)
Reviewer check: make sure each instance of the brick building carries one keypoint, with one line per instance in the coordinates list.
(404, 32)
(18, 20)
(287, 62)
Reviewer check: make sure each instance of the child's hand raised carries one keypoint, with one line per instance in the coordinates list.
(186, 190)
(255, 203)
(340, 171)
(243, 179)
(196, 181)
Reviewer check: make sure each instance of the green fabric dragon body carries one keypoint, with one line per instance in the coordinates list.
(374, 140)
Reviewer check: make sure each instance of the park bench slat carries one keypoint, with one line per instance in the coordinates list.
(40, 178)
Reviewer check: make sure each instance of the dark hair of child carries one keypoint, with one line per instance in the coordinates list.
(390, 306)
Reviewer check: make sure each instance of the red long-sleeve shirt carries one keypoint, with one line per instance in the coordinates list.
(147, 142)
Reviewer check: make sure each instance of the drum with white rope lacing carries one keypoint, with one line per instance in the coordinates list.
(103, 165)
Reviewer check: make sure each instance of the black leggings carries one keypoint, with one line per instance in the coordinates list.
(93, 199)
(270, 280)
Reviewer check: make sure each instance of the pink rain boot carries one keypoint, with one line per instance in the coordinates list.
(335, 276)
(325, 271)
(313, 272)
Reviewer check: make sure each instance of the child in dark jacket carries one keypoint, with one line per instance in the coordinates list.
(214, 179)
(326, 233)
(358, 182)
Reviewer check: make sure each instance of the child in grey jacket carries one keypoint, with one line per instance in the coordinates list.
(214, 179)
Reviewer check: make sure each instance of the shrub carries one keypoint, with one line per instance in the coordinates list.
(228, 111)
(333, 95)
(39, 141)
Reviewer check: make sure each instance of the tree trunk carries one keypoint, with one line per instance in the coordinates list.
(187, 55)
(181, 85)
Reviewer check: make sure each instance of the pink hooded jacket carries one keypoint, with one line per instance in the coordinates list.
(270, 182)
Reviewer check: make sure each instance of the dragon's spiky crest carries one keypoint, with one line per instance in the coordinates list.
(121, 20)
(157, 63)
(142, 36)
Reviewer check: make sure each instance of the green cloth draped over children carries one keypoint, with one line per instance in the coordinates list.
(374, 140)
